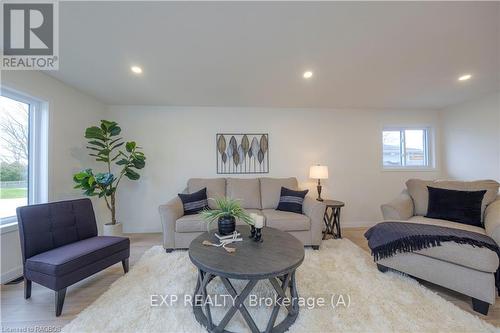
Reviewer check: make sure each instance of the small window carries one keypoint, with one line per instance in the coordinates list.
(22, 153)
(406, 148)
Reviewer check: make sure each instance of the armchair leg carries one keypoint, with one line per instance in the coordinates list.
(382, 268)
(480, 306)
(60, 294)
(27, 288)
(125, 265)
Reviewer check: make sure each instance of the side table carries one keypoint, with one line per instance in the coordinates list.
(332, 218)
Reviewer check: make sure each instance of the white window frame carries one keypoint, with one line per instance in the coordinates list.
(37, 150)
(429, 149)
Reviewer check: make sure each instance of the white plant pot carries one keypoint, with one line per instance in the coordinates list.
(112, 229)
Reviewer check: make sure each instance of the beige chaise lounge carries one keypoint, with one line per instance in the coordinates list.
(460, 267)
(258, 195)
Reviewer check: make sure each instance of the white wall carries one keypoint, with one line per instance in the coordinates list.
(180, 143)
(471, 139)
(70, 112)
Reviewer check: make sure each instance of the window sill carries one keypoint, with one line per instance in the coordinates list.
(8, 227)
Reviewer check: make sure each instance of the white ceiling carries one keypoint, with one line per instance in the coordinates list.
(375, 55)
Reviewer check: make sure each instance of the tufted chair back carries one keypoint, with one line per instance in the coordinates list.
(47, 226)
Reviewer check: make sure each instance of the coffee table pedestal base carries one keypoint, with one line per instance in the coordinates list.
(280, 284)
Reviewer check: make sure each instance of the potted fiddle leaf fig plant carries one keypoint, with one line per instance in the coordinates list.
(226, 213)
(106, 145)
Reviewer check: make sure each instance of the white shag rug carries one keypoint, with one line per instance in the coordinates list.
(375, 302)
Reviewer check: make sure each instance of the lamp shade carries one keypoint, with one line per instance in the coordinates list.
(318, 172)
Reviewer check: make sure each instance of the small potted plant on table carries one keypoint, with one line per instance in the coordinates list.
(226, 213)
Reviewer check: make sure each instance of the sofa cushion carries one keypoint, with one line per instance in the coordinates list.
(194, 223)
(216, 188)
(195, 202)
(417, 189)
(457, 206)
(286, 221)
(247, 191)
(466, 255)
(270, 190)
(70, 257)
(446, 223)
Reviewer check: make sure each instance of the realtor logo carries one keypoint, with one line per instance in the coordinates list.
(28, 29)
(29, 35)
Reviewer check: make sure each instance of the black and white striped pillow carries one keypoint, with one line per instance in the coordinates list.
(291, 201)
(195, 202)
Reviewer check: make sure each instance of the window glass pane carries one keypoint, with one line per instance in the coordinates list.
(415, 148)
(392, 148)
(14, 120)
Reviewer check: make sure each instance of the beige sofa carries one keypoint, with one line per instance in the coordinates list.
(258, 195)
(460, 267)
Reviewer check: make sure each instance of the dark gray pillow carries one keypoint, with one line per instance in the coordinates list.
(195, 202)
(457, 206)
(291, 201)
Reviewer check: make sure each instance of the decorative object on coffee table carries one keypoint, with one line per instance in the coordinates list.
(226, 212)
(256, 228)
(275, 260)
(332, 218)
(252, 232)
(318, 172)
(225, 240)
(258, 235)
(240, 153)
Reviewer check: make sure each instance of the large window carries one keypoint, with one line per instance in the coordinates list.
(22, 150)
(407, 148)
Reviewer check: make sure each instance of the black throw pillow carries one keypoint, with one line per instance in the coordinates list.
(195, 202)
(291, 201)
(457, 206)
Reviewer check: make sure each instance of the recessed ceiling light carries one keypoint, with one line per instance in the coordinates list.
(136, 69)
(464, 77)
(307, 75)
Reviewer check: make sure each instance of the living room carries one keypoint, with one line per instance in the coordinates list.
(389, 113)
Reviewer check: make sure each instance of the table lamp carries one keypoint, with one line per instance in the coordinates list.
(318, 172)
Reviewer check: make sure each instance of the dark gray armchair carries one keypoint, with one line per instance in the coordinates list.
(60, 246)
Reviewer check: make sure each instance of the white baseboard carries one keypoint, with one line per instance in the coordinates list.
(11, 274)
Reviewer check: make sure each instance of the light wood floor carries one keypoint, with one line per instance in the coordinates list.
(16, 312)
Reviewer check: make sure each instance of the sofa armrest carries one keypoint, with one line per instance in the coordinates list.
(492, 220)
(169, 213)
(315, 210)
(400, 208)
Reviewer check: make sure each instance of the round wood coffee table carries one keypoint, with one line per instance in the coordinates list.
(275, 259)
